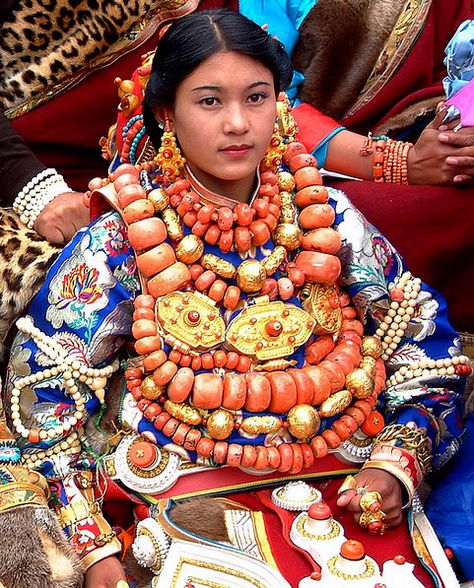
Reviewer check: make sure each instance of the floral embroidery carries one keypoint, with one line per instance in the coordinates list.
(79, 285)
(116, 241)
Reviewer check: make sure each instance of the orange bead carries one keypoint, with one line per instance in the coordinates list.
(320, 268)
(262, 461)
(258, 392)
(205, 446)
(332, 438)
(146, 233)
(192, 439)
(307, 176)
(138, 210)
(174, 277)
(319, 446)
(274, 458)
(217, 290)
(154, 360)
(147, 345)
(144, 328)
(155, 260)
(220, 358)
(164, 374)
(352, 550)
(249, 456)
(231, 297)
(143, 454)
(220, 452)
(284, 392)
(207, 391)
(144, 301)
(181, 385)
(373, 424)
(297, 459)
(286, 457)
(311, 195)
(180, 433)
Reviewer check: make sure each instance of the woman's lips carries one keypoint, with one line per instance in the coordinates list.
(236, 150)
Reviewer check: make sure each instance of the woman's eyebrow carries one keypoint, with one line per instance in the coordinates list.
(217, 88)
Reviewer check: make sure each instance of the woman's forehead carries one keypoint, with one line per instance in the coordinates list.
(226, 69)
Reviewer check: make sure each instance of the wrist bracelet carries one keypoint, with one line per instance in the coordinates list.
(37, 194)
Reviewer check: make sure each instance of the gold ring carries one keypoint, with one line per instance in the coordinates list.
(350, 483)
(122, 584)
(371, 501)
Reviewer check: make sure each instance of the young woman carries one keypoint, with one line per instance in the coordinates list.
(264, 310)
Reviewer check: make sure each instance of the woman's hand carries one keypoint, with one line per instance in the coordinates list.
(375, 480)
(441, 156)
(60, 220)
(106, 573)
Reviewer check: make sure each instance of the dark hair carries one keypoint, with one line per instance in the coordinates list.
(192, 39)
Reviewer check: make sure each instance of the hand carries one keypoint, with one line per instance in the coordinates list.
(106, 573)
(441, 156)
(60, 220)
(386, 485)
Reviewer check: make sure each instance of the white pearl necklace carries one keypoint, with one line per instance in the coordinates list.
(394, 325)
(428, 368)
(72, 371)
(71, 445)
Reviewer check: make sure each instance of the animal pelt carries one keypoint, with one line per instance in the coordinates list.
(24, 258)
(44, 42)
(34, 551)
(340, 41)
(203, 516)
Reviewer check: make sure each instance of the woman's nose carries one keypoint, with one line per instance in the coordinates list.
(236, 120)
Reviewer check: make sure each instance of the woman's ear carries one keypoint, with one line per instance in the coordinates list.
(161, 115)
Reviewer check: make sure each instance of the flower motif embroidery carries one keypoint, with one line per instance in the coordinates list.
(116, 242)
(81, 285)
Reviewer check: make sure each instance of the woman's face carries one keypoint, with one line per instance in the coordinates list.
(223, 117)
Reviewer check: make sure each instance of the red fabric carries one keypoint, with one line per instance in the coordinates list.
(294, 565)
(421, 73)
(313, 125)
(432, 228)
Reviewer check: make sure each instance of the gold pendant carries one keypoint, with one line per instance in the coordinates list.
(192, 319)
(322, 303)
(269, 330)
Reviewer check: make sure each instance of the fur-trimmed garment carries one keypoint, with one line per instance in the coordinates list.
(340, 42)
(45, 42)
(24, 258)
(36, 550)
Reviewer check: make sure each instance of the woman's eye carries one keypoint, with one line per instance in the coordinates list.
(257, 97)
(208, 101)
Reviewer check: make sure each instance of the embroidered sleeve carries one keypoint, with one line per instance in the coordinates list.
(61, 361)
(426, 370)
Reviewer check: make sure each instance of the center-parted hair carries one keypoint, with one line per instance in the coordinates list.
(192, 39)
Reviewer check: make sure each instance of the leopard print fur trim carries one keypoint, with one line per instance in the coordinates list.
(45, 42)
(24, 259)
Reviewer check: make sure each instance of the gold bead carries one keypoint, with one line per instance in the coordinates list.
(220, 424)
(359, 383)
(150, 390)
(286, 181)
(220, 266)
(250, 276)
(173, 224)
(288, 235)
(189, 249)
(372, 346)
(303, 421)
(159, 198)
(261, 425)
(336, 403)
(368, 364)
(183, 412)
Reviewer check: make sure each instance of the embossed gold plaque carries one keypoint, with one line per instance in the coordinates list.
(192, 318)
(269, 330)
